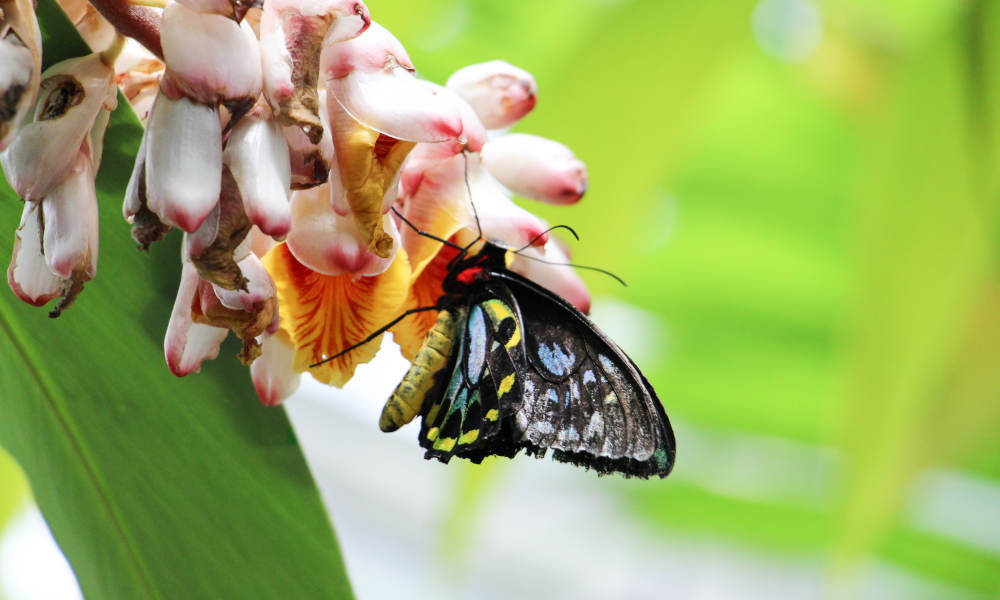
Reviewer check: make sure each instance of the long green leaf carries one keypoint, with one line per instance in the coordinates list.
(154, 487)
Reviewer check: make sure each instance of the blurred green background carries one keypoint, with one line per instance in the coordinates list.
(803, 197)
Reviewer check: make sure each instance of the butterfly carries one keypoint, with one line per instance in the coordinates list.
(510, 366)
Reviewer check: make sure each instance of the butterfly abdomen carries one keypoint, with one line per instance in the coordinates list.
(426, 372)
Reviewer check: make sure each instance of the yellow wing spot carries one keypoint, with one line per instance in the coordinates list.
(445, 444)
(432, 433)
(505, 385)
(515, 337)
(498, 312)
(492, 415)
(469, 437)
(432, 413)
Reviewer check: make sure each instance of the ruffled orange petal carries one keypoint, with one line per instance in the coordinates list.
(425, 291)
(325, 314)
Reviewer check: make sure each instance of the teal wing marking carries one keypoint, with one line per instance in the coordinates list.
(468, 419)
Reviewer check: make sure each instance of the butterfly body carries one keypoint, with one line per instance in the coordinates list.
(510, 366)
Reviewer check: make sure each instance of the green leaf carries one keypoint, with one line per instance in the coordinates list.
(154, 487)
(13, 489)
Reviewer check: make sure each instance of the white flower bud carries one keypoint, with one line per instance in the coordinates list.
(183, 161)
(536, 167)
(500, 93)
(257, 155)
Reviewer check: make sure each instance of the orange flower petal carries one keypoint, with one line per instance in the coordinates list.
(325, 314)
(425, 291)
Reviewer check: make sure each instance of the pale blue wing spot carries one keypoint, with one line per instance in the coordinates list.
(475, 359)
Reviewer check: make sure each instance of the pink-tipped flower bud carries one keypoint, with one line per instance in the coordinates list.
(28, 275)
(272, 374)
(536, 167)
(257, 156)
(187, 344)
(183, 161)
(71, 223)
(500, 93)
(210, 58)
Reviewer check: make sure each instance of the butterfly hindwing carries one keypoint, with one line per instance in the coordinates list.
(582, 396)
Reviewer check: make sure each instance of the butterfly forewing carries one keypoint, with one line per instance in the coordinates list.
(467, 418)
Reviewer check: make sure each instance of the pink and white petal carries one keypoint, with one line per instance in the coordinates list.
(395, 103)
(43, 151)
(272, 373)
(473, 135)
(202, 238)
(28, 275)
(500, 93)
(201, 342)
(353, 19)
(70, 214)
(373, 50)
(260, 287)
(559, 278)
(276, 61)
(135, 191)
(257, 155)
(332, 244)
(210, 56)
(183, 161)
(188, 344)
(434, 200)
(536, 167)
(503, 222)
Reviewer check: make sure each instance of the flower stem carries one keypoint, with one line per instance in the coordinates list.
(137, 22)
(111, 53)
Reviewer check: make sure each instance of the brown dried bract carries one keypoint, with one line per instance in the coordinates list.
(305, 43)
(217, 263)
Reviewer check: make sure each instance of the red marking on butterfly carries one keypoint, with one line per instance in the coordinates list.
(469, 275)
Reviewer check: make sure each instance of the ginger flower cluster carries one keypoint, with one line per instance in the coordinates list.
(298, 152)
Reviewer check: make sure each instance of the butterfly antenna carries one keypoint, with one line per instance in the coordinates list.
(374, 335)
(468, 191)
(424, 233)
(549, 230)
(559, 264)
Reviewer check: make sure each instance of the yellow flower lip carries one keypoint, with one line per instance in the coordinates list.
(324, 314)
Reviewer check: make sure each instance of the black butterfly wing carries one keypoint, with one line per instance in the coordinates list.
(581, 396)
(470, 414)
